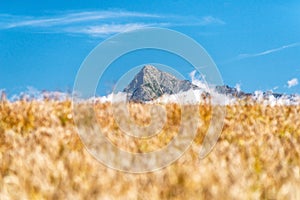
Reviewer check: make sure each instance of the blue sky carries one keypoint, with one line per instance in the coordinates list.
(254, 44)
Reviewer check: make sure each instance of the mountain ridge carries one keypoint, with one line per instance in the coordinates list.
(151, 83)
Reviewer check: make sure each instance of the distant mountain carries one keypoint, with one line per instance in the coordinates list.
(151, 83)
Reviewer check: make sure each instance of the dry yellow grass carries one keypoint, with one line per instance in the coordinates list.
(42, 157)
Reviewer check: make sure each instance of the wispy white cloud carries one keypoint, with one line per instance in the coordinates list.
(108, 29)
(71, 18)
(176, 20)
(100, 23)
(238, 87)
(293, 82)
(212, 20)
(243, 56)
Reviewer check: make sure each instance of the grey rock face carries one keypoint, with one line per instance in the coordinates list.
(233, 92)
(229, 91)
(270, 93)
(151, 83)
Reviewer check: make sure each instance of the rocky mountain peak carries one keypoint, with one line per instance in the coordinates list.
(151, 83)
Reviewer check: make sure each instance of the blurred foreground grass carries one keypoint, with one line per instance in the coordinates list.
(42, 157)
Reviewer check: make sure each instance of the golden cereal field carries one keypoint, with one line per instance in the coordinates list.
(42, 157)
